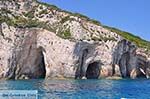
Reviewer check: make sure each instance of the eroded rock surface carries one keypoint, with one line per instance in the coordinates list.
(64, 46)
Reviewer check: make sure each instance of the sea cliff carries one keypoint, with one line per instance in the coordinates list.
(38, 40)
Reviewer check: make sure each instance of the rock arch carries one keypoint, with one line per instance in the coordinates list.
(93, 70)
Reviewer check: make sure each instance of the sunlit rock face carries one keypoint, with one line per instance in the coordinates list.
(60, 45)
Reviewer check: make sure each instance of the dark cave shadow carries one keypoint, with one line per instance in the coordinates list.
(82, 50)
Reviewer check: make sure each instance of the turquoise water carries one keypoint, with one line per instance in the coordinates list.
(83, 89)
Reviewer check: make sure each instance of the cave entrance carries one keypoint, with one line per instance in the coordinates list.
(93, 70)
(41, 69)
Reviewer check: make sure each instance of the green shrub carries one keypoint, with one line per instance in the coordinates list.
(32, 23)
(109, 39)
(100, 38)
(135, 39)
(74, 14)
(65, 34)
(81, 16)
(63, 20)
(85, 17)
(95, 22)
(3, 10)
(7, 20)
(48, 5)
(96, 38)
(41, 7)
(30, 14)
(2, 19)
(43, 12)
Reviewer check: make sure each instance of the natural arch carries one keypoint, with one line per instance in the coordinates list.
(93, 70)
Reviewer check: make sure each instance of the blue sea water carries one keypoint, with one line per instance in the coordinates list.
(83, 89)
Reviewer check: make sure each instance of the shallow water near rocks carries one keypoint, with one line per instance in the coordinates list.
(83, 89)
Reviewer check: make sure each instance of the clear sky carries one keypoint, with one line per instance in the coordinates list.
(128, 15)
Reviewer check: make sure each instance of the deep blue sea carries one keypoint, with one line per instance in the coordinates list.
(83, 89)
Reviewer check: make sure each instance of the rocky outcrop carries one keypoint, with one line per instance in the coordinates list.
(63, 45)
(125, 58)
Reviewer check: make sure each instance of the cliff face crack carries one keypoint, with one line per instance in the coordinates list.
(93, 71)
